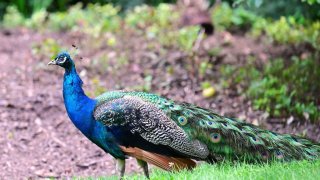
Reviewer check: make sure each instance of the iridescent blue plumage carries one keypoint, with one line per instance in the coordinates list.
(80, 110)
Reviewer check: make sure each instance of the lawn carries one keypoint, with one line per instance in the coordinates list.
(277, 170)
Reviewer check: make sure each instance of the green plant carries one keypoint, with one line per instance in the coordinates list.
(311, 2)
(13, 18)
(187, 37)
(66, 21)
(224, 17)
(269, 94)
(152, 21)
(274, 9)
(281, 88)
(203, 68)
(49, 48)
(244, 75)
(37, 20)
(93, 20)
(291, 89)
(27, 8)
(287, 30)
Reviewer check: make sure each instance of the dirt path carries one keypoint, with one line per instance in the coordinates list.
(38, 140)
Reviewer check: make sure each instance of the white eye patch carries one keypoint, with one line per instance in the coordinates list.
(64, 60)
(60, 61)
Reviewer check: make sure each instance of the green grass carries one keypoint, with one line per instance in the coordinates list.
(277, 170)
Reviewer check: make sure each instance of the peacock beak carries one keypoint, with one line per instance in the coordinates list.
(53, 62)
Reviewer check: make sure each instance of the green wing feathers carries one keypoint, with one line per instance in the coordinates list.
(227, 138)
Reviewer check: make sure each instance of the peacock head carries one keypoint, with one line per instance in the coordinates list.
(63, 59)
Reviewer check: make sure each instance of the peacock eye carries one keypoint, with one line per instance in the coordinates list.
(215, 137)
(209, 123)
(255, 139)
(202, 123)
(279, 154)
(182, 120)
(264, 155)
(62, 59)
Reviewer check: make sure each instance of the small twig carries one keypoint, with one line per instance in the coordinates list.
(197, 43)
(58, 141)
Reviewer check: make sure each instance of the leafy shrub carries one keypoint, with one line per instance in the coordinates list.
(48, 48)
(184, 38)
(289, 31)
(187, 37)
(160, 23)
(275, 9)
(224, 17)
(155, 23)
(94, 19)
(281, 88)
(291, 90)
(28, 8)
(153, 20)
(66, 20)
(233, 75)
(284, 31)
(37, 20)
(13, 18)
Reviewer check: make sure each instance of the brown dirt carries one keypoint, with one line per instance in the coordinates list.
(37, 139)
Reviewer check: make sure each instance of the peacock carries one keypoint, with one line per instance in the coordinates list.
(168, 134)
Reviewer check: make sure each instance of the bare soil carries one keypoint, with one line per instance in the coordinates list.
(37, 140)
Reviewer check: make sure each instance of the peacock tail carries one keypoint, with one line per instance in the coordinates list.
(205, 135)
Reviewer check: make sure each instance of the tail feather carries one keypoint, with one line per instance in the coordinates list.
(230, 138)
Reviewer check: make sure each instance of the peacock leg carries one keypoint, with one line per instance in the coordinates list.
(120, 166)
(144, 166)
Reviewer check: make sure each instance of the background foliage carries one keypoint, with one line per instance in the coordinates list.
(273, 8)
(284, 86)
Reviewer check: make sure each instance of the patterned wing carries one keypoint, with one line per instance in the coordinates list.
(138, 117)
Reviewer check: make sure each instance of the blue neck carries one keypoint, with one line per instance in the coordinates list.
(80, 110)
(79, 106)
